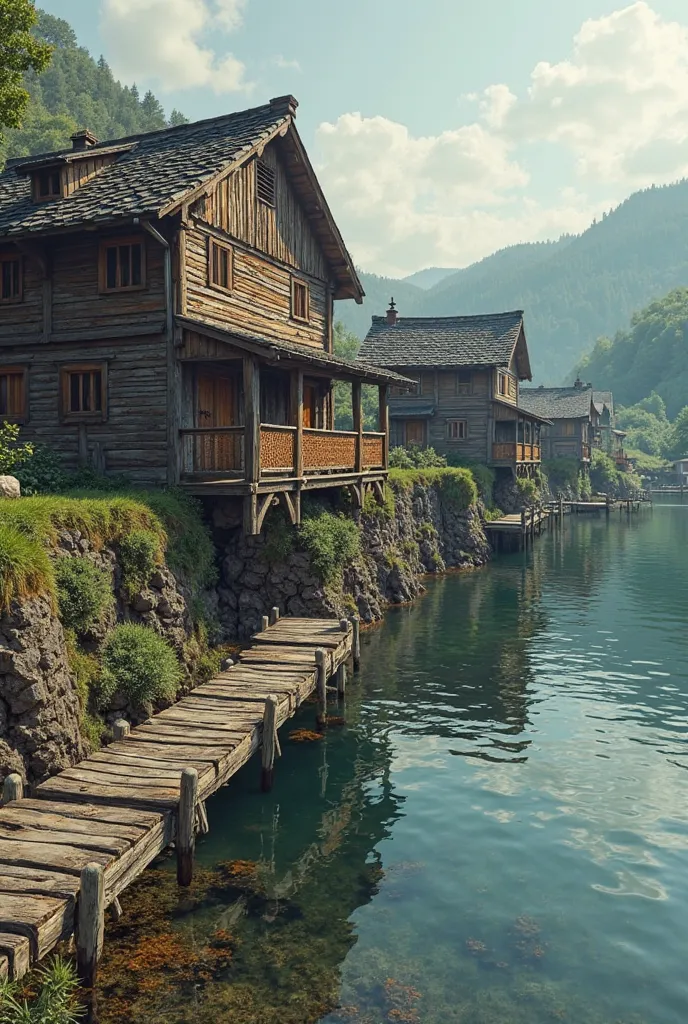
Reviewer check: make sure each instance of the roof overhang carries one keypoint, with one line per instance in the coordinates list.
(291, 354)
(520, 354)
(411, 410)
(523, 412)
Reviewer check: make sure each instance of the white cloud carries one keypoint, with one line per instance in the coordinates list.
(162, 41)
(619, 104)
(404, 202)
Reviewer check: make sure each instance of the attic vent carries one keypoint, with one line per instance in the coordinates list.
(265, 183)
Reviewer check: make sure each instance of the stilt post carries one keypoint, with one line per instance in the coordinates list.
(321, 662)
(12, 789)
(356, 641)
(524, 535)
(274, 615)
(186, 820)
(121, 729)
(268, 747)
(264, 623)
(341, 681)
(90, 923)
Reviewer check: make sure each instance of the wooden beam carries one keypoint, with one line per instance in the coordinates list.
(251, 418)
(383, 425)
(297, 419)
(290, 506)
(357, 403)
(263, 506)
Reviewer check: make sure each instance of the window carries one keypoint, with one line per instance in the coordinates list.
(300, 300)
(503, 387)
(13, 393)
(10, 279)
(465, 382)
(48, 185)
(83, 392)
(220, 266)
(457, 430)
(122, 265)
(568, 428)
(265, 183)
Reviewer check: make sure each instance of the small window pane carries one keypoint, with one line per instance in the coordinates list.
(111, 267)
(136, 264)
(55, 184)
(7, 280)
(74, 393)
(86, 392)
(98, 391)
(124, 266)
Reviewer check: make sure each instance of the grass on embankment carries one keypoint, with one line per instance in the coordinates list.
(456, 484)
(29, 529)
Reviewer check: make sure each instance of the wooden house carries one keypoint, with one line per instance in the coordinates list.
(166, 306)
(466, 400)
(573, 416)
(607, 437)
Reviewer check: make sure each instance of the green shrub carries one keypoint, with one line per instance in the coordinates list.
(493, 513)
(139, 663)
(372, 507)
(57, 1001)
(562, 474)
(42, 473)
(483, 475)
(457, 486)
(12, 454)
(84, 593)
(280, 537)
(25, 569)
(139, 554)
(415, 457)
(528, 489)
(332, 541)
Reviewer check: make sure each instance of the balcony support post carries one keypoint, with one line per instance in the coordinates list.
(297, 417)
(251, 442)
(383, 426)
(357, 404)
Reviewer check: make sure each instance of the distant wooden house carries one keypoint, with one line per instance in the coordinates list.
(467, 372)
(166, 311)
(608, 437)
(574, 420)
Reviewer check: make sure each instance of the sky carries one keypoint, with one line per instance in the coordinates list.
(441, 131)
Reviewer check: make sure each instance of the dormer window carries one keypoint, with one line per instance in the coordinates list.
(48, 184)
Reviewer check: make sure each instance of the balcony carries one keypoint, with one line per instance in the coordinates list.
(515, 452)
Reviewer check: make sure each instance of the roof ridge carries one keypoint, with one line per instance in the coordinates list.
(455, 316)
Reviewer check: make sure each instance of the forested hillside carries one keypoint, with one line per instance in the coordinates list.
(651, 356)
(78, 92)
(573, 291)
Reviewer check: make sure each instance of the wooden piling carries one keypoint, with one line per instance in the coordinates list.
(268, 744)
(90, 923)
(120, 729)
(264, 623)
(524, 534)
(321, 662)
(341, 681)
(344, 625)
(12, 789)
(186, 818)
(356, 641)
(274, 615)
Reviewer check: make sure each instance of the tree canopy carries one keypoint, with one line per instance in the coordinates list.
(20, 52)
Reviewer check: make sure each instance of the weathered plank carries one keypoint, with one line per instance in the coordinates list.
(15, 878)
(16, 950)
(43, 920)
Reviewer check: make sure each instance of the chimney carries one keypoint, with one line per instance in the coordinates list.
(578, 383)
(392, 313)
(284, 105)
(83, 140)
(588, 385)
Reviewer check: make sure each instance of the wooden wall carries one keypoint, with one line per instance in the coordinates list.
(260, 301)
(78, 172)
(133, 439)
(19, 320)
(283, 232)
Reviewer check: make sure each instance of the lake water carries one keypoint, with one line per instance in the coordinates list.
(498, 834)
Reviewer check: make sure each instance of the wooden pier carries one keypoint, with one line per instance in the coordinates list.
(67, 853)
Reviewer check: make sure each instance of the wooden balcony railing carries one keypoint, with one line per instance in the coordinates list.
(215, 450)
(510, 451)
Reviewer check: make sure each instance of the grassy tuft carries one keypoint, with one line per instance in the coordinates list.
(456, 485)
(25, 569)
(139, 554)
(139, 663)
(101, 519)
(84, 593)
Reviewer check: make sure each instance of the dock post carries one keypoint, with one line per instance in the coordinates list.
(90, 923)
(186, 818)
(12, 789)
(120, 729)
(340, 676)
(274, 615)
(561, 510)
(268, 746)
(524, 534)
(321, 662)
(356, 641)
(264, 623)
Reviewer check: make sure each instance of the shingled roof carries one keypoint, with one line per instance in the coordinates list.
(153, 173)
(488, 339)
(602, 398)
(557, 403)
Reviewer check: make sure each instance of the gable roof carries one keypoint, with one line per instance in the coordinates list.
(153, 174)
(557, 403)
(488, 339)
(602, 398)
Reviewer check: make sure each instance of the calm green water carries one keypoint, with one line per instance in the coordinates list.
(500, 831)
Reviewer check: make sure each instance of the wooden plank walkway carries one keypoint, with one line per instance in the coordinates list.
(119, 807)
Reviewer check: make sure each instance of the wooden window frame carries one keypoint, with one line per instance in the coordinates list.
(213, 245)
(462, 430)
(502, 382)
(51, 196)
(266, 191)
(13, 257)
(464, 387)
(16, 371)
(115, 243)
(296, 283)
(82, 416)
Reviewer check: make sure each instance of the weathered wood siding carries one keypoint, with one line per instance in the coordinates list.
(20, 320)
(260, 301)
(282, 232)
(133, 439)
(78, 172)
(558, 444)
